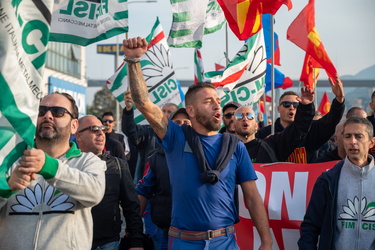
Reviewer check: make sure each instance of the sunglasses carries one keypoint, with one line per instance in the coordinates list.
(56, 111)
(229, 115)
(287, 104)
(240, 116)
(110, 121)
(94, 129)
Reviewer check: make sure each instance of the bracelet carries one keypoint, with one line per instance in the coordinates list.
(131, 60)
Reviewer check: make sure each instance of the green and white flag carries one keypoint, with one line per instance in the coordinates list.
(192, 19)
(24, 31)
(84, 22)
(157, 71)
(243, 80)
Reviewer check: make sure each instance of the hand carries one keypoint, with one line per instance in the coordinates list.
(337, 88)
(307, 95)
(134, 47)
(32, 161)
(19, 180)
(128, 100)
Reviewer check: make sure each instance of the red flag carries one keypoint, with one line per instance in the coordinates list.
(244, 16)
(303, 33)
(272, 6)
(324, 105)
(310, 71)
(219, 67)
(288, 83)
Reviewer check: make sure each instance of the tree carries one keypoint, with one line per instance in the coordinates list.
(103, 101)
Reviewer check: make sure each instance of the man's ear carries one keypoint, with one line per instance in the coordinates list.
(190, 110)
(372, 142)
(73, 126)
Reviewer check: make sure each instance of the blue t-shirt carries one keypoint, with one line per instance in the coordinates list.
(198, 206)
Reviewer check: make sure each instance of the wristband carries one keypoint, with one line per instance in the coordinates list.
(131, 60)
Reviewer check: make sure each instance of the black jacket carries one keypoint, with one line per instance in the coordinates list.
(332, 155)
(119, 191)
(320, 132)
(142, 137)
(277, 147)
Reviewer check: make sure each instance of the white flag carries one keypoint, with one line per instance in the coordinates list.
(243, 80)
(84, 22)
(24, 30)
(157, 71)
(192, 19)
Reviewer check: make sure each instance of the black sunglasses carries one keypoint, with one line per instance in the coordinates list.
(229, 115)
(287, 104)
(240, 116)
(110, 121)
(56, 111)
(94, 129)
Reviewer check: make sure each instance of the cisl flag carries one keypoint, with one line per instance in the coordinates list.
(84, 22)
(24, 31)
(157, 71)
(243, 80)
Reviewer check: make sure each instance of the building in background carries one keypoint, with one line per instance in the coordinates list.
(65, 71)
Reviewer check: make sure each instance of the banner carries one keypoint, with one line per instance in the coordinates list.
(243, 80)
(286, 189)
(157, 71)
(24, 31)
(193, 19)
(85, 22)
(198, 67)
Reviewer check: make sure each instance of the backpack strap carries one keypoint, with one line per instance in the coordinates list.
(269, 150)
(229, 144)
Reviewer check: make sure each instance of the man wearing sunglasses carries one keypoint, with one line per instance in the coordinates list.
(276, 147)
(119, 191)
(203, 207)
(228, 117)
(53, 186)
(320, 131)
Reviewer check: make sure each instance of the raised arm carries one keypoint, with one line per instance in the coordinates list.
(134, 48)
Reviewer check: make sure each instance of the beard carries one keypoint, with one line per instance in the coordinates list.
(206, 123)
(55, 134)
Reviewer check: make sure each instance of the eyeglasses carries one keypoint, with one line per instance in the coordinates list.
(94, 129)
(110, 121)
(56, 111)
(287, 104)
(240, 116)
(229, 115)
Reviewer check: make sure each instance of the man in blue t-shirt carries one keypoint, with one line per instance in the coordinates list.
(203, 211)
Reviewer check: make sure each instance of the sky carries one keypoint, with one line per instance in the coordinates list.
(346, 28)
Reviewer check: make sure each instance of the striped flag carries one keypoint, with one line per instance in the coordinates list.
(157, 71)
(243, 80)
(85, 22)
(24, 31)
(198, 67)
(192, 19)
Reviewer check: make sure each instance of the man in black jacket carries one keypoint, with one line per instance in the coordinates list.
(119, 191)
(277, 147)
(321, 130)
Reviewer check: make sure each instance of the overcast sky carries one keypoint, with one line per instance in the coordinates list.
(346, 28)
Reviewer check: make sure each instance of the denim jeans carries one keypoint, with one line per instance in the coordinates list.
(109, 246)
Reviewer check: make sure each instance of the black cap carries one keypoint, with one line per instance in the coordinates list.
(178, 111)
(235, 105)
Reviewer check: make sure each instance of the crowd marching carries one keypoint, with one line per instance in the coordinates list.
(176, 181)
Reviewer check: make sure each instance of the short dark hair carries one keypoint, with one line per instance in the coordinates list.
(108, 113)
(287, 93)
(73, 104)
(351, 111)
(360, 120)
(193, 89)
(373, 96)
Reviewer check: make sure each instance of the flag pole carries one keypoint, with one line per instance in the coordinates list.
(226, 44)
(117, 103)
(272, 78)
(315, 89)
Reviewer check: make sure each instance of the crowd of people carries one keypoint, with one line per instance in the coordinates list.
(177, 178)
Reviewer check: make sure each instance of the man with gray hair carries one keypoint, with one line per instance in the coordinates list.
(341, 208)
